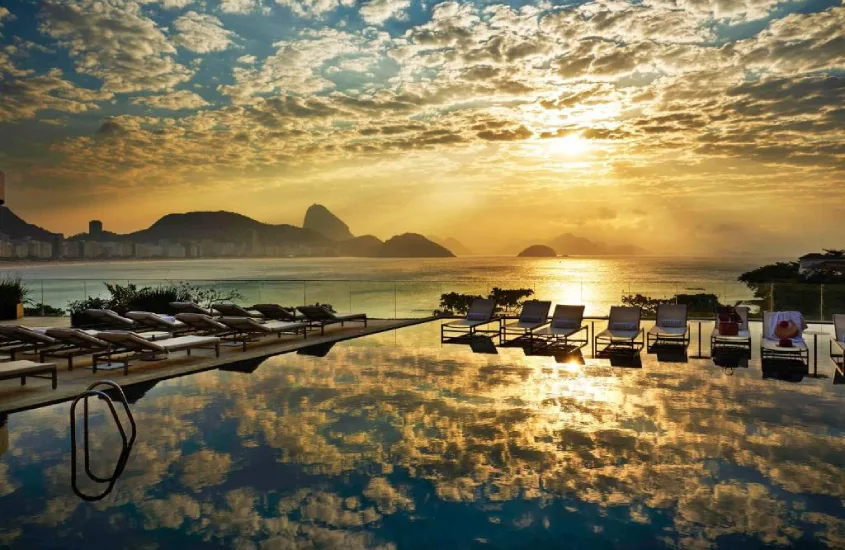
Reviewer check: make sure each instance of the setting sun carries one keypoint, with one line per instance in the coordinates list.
(571, 145)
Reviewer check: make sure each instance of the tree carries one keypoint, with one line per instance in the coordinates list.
(509, 300)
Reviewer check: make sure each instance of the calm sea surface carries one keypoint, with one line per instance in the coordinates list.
(396, 442)
(403, 287)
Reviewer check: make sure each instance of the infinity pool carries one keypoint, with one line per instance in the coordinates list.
(396, 441)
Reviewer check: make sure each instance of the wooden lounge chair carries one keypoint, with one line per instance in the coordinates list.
(204, 325)
(770, 347)
(276, 312)
(481, 312)
(27, 340)
(564, 329)
(108, 319)
(740, 341)
(24, 369)
(129, 346)
(670, 328)
(74, 343)
(837, 343)
(232, 310)
(318, 316)
(190, 307)
(534, 314)
(623, 330)
(246, 329)
(153, 321)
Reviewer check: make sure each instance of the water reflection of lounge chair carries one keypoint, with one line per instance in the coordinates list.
(134, 347)
(534, 314)
(837, 343)
(317, 350)
(770, 344)
(481, 312)
(565, 328)
(741, 340)
(670, 327)
(623, 332)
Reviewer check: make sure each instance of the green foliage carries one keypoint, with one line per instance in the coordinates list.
(455, 303)
(78, 306)
(698, 305)
(43, 310)
(12, 290)
(123, 299)
(508, 301)
(327, 307)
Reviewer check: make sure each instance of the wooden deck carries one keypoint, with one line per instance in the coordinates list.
(38, 393)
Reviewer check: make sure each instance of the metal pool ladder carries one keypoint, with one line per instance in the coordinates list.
(126, 442)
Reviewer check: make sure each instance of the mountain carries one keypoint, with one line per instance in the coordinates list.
(454, 245)
(538, 251)
(225, 227)
(570, 244)
(320, 220)
(413, 245)
(365, 246)
(16, 228)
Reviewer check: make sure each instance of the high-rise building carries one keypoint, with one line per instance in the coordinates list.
(95, 228)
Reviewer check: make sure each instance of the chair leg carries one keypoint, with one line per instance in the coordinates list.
(23, 380)
(55, 379)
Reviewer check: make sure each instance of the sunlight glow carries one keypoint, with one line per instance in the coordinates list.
(571, 145)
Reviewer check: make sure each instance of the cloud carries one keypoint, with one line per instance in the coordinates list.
(114, 42)
(5, 14)
(169, 4)
(514, 134)
(239, 6)
(202, 33)
(181, 99)
(376, 12)
(314, 8)
(25, 97)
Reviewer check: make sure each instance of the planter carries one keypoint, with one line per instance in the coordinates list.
(11, 312)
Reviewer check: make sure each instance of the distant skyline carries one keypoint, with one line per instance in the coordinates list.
(680, 127)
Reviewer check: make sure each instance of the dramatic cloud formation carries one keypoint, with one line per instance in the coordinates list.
(490, 107)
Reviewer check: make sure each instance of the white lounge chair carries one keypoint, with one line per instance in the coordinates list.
(770, 347)
(481, 312)
(837, 343)
(741, 341)
(566, 324)
(623, 330)
(130, 346)
(204, 325)
(534, 314)
(74, 343)
(276, 312)
(26, 340)
(246, 329)
(24, 369)
(319, 316)
(670, 327)
(111, 320)
(164, 323)
(190, 307)
(233, 310)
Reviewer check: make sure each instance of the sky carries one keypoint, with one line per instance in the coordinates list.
(682, 126)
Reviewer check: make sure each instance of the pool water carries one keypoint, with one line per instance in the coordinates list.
(397, 441)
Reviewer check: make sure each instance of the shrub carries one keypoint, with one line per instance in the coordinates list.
(42, 310)
(12, 290)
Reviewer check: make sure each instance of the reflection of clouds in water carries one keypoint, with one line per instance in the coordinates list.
(707, 450)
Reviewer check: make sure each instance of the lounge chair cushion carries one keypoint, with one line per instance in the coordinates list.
(672, 323)
(565, 323)
(623, 326)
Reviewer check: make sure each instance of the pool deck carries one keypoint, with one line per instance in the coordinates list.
(38, 392)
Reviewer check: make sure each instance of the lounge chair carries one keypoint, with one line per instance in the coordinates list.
(153, 321)
(534, 314)
(741, 341)
(204, 325)
(276, 312)
(190, 307)
(26, 340)
(232, 310)
(318, 316)
(481, 312)
(770, 347)
(837, 353)
(623, 330)
(111, 320)
(24, 369)
(74, 343)
(246, 329)
(670, 328)
(566, 324)
(129, 346)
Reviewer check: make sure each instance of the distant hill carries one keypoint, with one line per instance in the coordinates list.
(454, 245)
(570, 244)
(538, 251)
(16, 228)
(225, 227)
(365, 246)
(320, 220)
(413, 245)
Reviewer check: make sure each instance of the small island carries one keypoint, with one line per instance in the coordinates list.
(413, 245)
(538, 251)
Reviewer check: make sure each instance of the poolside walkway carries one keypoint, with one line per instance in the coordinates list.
(38, 392)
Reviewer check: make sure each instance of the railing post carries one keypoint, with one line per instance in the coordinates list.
(821, 303)
(772, 297)
(395, 315)
(350, 297)
(305, 293)
(42, 297)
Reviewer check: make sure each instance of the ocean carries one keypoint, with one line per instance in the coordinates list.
(401, 287)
